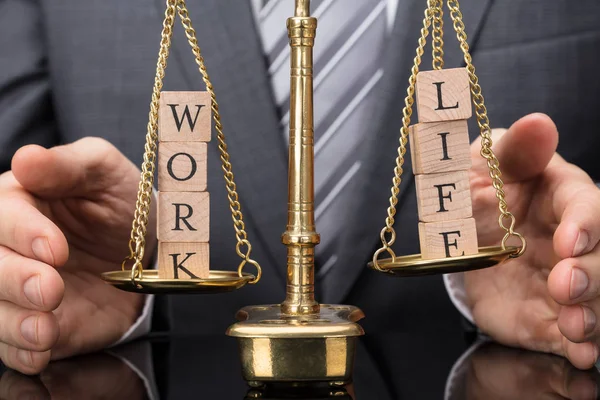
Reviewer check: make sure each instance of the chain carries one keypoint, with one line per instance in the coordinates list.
(434, 16)
(137, 242)
(398, 169)
(486, 138)
(437, 34)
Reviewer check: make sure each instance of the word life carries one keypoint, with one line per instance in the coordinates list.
(183, 201)
(440, 153)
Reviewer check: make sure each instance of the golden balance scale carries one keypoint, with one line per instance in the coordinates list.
(300, 339)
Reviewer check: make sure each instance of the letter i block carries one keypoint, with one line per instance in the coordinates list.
(184, 117)
(182, 167)
(183, 260)
(443, 95)
(443, 197)
(440, 147)
(448, 239)
(183, 216)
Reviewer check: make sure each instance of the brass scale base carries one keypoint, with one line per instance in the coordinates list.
(276, 347)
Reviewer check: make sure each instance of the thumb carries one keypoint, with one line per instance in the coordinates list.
(523, 151)
(82, 168)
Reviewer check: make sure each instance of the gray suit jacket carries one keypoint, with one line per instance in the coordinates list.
(72, 68)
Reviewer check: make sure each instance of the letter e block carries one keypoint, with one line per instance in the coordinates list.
(182, 167)
(183, 260)
(440, 147)
(448, 239)
(184, 117)
(443, 95)
(443, 197)
(183, 216)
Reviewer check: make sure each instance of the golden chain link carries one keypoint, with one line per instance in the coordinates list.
(398, 169)
(433, 16)
(486, 133)
(437, 34)
(243, 247)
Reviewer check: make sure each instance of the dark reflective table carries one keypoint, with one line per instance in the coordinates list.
(388, 367)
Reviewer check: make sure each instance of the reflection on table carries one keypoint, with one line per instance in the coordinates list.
(182, 368)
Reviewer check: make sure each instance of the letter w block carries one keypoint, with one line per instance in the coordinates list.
(184, 117)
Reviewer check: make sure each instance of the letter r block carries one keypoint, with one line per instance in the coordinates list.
(183, 260)
(182, 167)
(440, 147)
(443, 95)
(443, 197)
(184, 117)
(183, 216)
(448, 239)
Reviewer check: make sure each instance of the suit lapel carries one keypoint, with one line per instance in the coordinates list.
(367, 210)
(233, 54)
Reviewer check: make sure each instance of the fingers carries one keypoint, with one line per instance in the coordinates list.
(524, 150)
(577, 207)
(77, 169)
(581, 355)
(28, 283)
(576, 280)
(27, 231)
(27, 330)
(25, 361)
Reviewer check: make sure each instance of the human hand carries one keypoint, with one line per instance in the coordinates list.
(66, 217)
(546, 300)
(494, 372)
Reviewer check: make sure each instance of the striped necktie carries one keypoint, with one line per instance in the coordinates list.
(347, 68)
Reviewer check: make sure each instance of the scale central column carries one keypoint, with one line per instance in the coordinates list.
(301, 236)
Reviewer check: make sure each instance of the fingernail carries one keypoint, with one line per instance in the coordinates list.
(29, 329)
(25, 357)
(41, 249)
(579, 283)
(580, 244)
(33, 291)
(589, 321)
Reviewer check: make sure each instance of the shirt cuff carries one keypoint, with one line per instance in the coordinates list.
(455, 285)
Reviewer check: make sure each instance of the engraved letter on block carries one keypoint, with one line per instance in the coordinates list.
(182, 167)
(448, 238)
(183, 260)
(184, 117)
(183, 216)
(440, 147)
(443, 95)
(443, 197)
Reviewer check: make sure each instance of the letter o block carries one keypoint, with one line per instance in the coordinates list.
(182, 167)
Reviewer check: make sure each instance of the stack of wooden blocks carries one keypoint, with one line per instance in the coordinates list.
(441, 159)
(183, 202)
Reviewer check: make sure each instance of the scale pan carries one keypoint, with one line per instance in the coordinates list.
(217, 282)
(414, 265)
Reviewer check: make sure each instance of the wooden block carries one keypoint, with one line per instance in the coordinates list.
(443, 197)
(183, 260)
(182, 167)
(184, 117)
(443, 95)
(183, 216)
(448, 238)
(440, 147)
